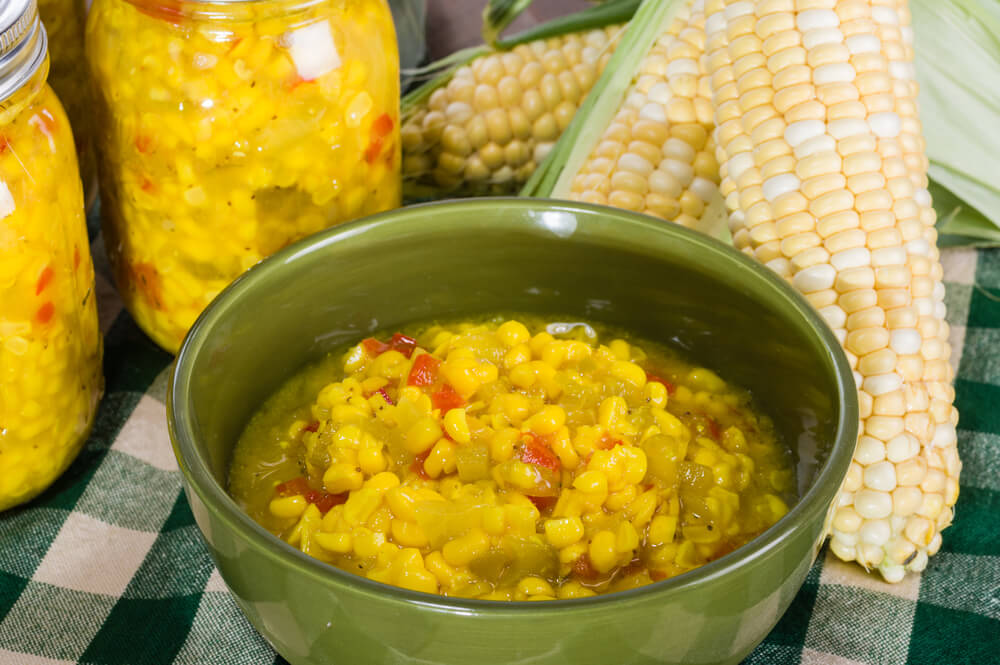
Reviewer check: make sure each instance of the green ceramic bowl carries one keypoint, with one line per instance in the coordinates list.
(464, 258)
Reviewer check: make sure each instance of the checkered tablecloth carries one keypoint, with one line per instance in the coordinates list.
(107, 567)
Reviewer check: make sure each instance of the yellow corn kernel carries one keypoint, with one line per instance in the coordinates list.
(562, 446)
(662, 529)
(630, 373)
(553, 354)
(288, 506)
(382, 482)
(705, 379)
(617, 501)
(390, 365)
(592, 482)
(366, 543)
(517, 355)
(626, 538)
(441, 459)
(538, 342)
(533, 586)
(568, 555)
(402, 502)
(577, 351)
(655, 393)
(502, 444)
(602, 551)
(612, 411)
(461, 370)
(523, 375)
(422, 435)
(360, 505)
(620, 349)
(445, 574)
(342, 477)
(462, 550)
(670, 424)
(371, 461)
(513, 333)
(520, 519)
(408, 534)
(456, 425)
(418, 580)
(564, 531)
(635, 464)
(642, 508)
(574, 589)
(547, 421)
(494, 520)
(339, 543)
(514, 406)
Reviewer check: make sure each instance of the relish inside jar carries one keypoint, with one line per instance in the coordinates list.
(230, 129)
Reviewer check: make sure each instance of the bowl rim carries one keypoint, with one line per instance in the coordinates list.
(199, 478)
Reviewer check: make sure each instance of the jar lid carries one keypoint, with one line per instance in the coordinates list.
(22, 44)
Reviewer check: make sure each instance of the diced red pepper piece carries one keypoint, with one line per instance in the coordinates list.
(606, 442)
(537, 450)
(447, 399)
(322, 499)
(713, 427)
(4, 143)
(404, 344)
(145, 279)
(162, 9)
(652, 378)
(374, 347)
(311, 427)
(45, 312)
(543, 503)
(418, 464)
(325, 501)
(294, 486)
(584, 569)
(382, 125)
(143, 143)
(373, 150)
(44, 279)
(385, 396)
(424, 372)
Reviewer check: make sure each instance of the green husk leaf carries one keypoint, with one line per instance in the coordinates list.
(497, 15)
(957, 60)
(959, 224)
(554, 175)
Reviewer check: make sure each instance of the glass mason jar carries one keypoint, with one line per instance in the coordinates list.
(227, 130)
(50, 344)
(64, 22)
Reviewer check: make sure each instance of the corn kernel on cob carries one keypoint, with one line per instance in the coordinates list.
(485, 131)
(657, 155)
(824, 172)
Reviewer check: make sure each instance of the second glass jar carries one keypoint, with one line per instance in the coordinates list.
(227, 130)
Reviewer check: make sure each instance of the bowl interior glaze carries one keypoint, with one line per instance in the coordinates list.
(569, 261)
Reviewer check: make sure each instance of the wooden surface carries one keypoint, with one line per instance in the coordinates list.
(455, 24)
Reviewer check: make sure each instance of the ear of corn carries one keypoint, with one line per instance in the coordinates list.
(643, 139)
(824, 171)
(484, 125)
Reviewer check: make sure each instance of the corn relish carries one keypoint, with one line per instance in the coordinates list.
(230, 129)
(490, 460)
(50, 344)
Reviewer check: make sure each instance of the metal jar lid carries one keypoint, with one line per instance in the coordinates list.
(22, 44)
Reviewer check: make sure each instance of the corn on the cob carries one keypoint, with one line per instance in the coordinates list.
(485, 131)
(657, 154)
(823, 169)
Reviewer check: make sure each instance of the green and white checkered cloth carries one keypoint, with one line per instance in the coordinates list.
(108, 568)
